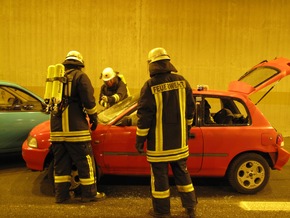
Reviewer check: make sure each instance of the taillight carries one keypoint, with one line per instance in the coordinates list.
(280, 140)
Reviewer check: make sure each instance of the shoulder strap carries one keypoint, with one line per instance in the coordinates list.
(69, 75)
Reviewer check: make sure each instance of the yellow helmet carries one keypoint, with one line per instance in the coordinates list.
(157, 54)
(74, 55)
(108, 74)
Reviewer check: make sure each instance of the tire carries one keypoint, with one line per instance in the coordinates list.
(249, 173)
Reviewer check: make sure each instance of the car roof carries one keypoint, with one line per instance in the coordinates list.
(15, 85)
(7, 83)
(212, 92)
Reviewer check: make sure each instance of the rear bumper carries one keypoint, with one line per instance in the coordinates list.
(282, 158)
(34, 157)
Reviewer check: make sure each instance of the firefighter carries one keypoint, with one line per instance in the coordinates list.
(165, 115)
(114, 88)
(70, 133)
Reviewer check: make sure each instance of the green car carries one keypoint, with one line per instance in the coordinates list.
(20, 111)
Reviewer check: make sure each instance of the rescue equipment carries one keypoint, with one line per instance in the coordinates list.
(54, 87)
(48, 84)
(202, 87)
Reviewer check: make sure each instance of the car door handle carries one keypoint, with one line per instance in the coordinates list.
(97, 141)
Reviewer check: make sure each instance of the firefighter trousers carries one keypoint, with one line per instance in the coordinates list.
(160, 188)
(80, 154)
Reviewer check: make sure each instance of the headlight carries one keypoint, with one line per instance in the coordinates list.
(32, 142)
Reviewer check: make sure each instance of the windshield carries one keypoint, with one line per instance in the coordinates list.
(111, 113)
(259, 76)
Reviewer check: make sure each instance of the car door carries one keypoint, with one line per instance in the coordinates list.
(118, 147)
(19, 113)
(195, 143)
(120, 155)
(225, 135)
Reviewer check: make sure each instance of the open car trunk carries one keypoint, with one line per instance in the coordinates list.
(265, 75)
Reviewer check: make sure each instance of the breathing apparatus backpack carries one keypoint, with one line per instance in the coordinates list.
(122, 77)
(53, 97)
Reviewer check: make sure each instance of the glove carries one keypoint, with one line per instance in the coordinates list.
(105, 98)
(139, 146)
(104, 104)
(93, 121)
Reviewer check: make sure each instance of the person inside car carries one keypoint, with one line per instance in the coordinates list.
(208, 119)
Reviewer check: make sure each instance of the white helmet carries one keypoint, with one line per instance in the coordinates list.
(157, 54)
(108, 74)
(74, 55)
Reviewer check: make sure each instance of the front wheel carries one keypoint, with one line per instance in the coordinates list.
(249, 173)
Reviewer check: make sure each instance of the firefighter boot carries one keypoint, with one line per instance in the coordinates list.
(191, 212)
(62, 192)
(158, 215)
(89, 194)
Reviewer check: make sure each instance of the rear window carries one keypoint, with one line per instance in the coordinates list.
(259, 76)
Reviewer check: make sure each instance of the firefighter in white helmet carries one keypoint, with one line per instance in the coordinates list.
(165, 115)
(114, 88)
(70, 133)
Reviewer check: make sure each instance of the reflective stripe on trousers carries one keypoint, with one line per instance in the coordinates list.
(160, 188)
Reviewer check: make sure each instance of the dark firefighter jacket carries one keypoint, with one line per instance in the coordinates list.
(165, 110)
(116, 93)
(71, 125)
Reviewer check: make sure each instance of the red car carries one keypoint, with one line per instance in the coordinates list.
(230, 136)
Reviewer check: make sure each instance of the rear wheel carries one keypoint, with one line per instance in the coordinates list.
(249, 173)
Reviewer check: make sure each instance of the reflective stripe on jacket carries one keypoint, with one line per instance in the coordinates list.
(72, 125)
(165, 109)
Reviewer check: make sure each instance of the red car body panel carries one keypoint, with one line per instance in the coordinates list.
(36, 156)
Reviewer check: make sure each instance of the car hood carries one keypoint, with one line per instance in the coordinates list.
(265, 74)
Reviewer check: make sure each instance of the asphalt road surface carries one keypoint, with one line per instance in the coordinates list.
(24, 193)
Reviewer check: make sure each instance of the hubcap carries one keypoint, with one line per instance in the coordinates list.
(251, 174)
